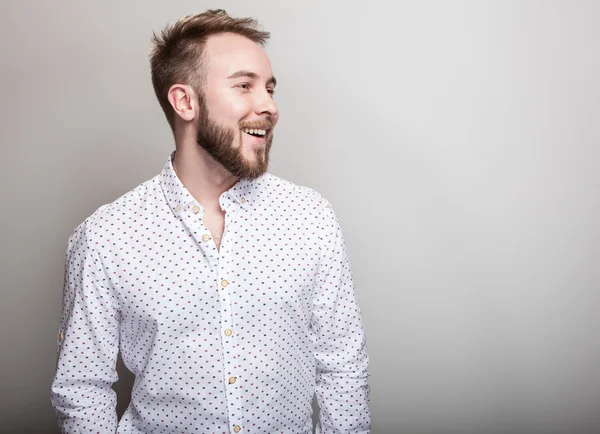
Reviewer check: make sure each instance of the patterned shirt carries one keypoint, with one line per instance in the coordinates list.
(231, 340)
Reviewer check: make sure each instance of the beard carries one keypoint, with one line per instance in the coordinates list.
(218, 141)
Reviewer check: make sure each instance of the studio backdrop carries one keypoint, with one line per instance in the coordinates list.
(458, 142)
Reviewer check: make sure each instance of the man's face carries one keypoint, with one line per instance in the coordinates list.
(237, 110)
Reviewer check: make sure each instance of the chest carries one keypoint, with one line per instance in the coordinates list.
(180, 277)
(214, 221)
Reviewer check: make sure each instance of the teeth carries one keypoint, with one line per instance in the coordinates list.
(255, 131)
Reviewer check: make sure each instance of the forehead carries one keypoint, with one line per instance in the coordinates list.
(227, 53)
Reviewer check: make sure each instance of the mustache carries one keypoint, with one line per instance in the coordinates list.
(266, 124)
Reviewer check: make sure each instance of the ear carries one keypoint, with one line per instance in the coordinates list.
(182, 99)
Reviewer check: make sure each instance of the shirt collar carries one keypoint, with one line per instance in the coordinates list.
(175, 192)
(244, 192)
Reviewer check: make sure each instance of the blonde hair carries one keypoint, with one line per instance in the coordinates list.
(177, 54)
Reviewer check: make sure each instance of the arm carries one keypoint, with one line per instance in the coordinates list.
(88, 340)
(338, 338)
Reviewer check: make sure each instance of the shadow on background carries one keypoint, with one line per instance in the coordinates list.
(123, 387)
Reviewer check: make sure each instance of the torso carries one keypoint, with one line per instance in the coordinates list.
(178, 297)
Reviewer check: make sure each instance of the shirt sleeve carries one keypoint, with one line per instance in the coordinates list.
(338, 338)
(81, 390)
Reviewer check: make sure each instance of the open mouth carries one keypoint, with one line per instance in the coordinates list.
(256, 132)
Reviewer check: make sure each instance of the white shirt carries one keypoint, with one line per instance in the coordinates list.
(236, 340)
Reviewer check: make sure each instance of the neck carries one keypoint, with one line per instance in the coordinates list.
(202, 176)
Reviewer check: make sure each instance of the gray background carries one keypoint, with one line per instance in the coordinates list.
(457, 140)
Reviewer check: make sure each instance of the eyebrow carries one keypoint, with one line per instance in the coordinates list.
(252, 75)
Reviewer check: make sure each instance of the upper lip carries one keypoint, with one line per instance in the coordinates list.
(265, 125)
(255, 128)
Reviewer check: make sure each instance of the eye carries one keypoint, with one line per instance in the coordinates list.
(271, 91)
(244, 86)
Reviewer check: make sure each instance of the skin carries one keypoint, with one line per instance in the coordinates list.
(234, 99)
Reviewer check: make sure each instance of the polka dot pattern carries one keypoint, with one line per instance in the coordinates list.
(231, 340)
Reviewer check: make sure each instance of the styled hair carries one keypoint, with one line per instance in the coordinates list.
(177, 54)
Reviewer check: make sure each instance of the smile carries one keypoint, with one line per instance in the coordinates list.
(255, 132)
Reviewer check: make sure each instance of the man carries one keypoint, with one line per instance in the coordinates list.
(226, 289)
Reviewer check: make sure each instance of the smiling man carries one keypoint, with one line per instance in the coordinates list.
(227, 290)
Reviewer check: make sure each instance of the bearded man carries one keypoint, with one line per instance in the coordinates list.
(226, 289)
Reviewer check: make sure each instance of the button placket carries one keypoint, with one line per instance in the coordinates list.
(230, 368)
(193, 215)
(227, 289)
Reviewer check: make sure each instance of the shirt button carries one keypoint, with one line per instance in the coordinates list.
(224, 283)
(228, 332)
(244, 200)
(205, 237)
(232, 380)
(237, 428)
(61, 336)
(196, 209)
(177, 208)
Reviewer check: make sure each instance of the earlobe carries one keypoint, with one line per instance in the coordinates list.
(180, 97)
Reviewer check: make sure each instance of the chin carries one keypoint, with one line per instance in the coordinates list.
(253, 157)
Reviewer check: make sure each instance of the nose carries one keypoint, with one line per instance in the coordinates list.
(265, 104)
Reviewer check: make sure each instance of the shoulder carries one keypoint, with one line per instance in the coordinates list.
(115, 216)
(278, 189)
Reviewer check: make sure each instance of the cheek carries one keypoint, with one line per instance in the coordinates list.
(239, 108)
(228, 108)
(236, 105)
